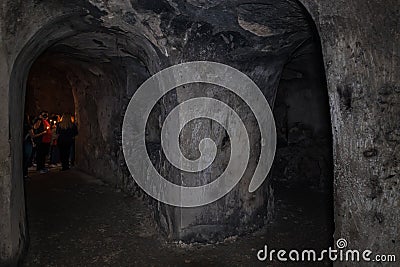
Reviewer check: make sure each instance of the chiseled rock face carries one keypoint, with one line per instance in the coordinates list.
(108, 48)
(361, 67)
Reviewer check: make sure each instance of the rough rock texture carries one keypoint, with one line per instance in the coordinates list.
(361, 59)
(109, 47)
(48, 89)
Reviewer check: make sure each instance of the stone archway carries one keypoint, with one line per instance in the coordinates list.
(44, 42)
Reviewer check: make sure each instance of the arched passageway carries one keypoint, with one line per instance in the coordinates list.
(102, 67)
(303, 168)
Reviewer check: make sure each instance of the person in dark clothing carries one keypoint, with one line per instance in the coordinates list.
(38, 131)
(44, 144)
(66, 132)
(72, 155)
(54, 152)
(27, 145)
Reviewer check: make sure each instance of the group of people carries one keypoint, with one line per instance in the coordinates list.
(52, 138)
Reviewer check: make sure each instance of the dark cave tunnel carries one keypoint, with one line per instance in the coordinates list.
(94, 74)
(327, 69)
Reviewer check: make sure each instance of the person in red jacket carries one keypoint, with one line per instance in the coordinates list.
(44, 145)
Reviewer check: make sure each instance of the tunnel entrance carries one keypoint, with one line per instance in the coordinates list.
(48, 93)
(302, 174)
(92, 78)
(103, 68)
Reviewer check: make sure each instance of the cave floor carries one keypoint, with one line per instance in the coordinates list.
(76, 220)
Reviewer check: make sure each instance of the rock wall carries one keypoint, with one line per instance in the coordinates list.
(48, 89)
(360, 44)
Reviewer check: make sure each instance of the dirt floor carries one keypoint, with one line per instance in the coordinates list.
(76, 220)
